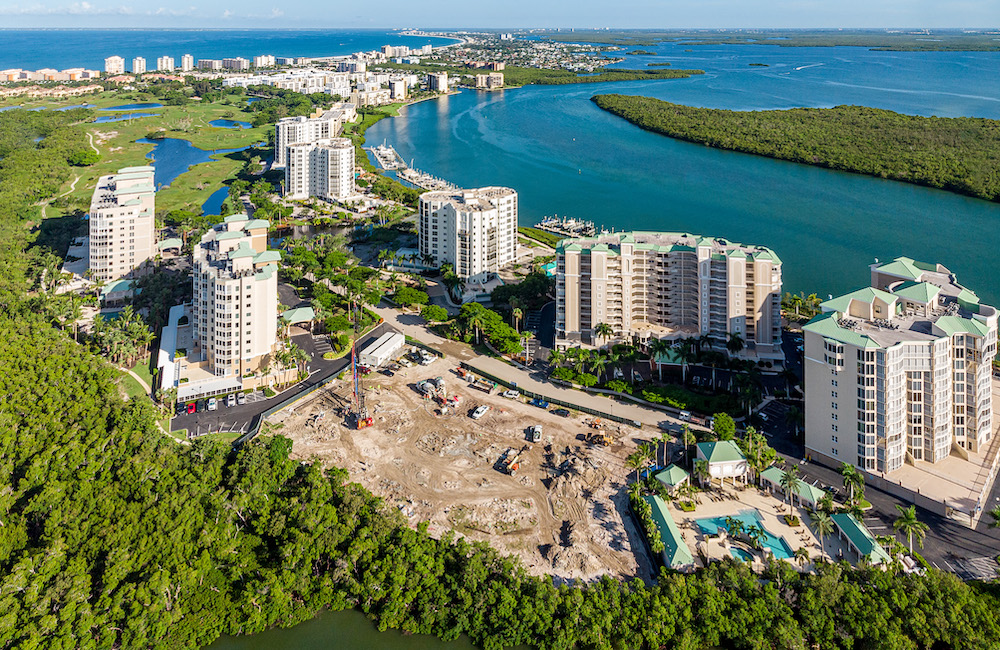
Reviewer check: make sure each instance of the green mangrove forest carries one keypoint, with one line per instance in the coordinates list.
(958, 154)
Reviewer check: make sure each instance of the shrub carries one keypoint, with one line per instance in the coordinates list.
(686, 506)
(564, 374)
(268, 392)
(791, 520)
(406, 296)
(586, 379)
(619, 386)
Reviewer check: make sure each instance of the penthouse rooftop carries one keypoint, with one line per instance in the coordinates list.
(121, 189)
(918, 303)
(665, 242)
(477, 199)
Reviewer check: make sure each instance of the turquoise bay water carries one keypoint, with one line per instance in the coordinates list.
(776, 544)
(565, 156)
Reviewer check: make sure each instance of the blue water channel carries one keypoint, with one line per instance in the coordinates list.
(172, 157)
(133, 107)
(565, 156)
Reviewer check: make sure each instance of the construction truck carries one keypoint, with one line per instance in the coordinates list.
(486, 386)
(601, 437)
(511, 461)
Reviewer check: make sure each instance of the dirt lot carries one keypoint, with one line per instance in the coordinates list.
(563, 512)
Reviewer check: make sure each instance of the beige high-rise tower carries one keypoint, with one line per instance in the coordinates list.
(122, 223)
(653, 285)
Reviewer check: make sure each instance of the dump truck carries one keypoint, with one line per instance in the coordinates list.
(486, 386)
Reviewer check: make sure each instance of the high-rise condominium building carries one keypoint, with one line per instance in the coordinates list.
(235, 305)
(122, 224)
(324, 168)
(653, 285)
(900, 371)
(238, 63)
(263, 61)
(187, 63)
(114, 65)
(473, 230)
(165, 64)
(138, 65)
(438, 81)
(294, 130)
(209, 64)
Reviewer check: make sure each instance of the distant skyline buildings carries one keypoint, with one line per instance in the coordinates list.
(449, 14)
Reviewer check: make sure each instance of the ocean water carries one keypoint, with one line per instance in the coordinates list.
(32, 49)
(565, 156)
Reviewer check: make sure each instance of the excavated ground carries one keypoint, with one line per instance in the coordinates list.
(564, 512)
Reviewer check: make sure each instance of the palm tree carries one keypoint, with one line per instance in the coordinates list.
(598, 363)
(383, 255)
(688, 355)
(735, 343)
(734, 526)
(476, 321)
(604, 331)
(802, 555)
(790, 483)
(826, 503)
(756, 534)
(789, 376)
(853, 479)
(687, 439)
(701, 471)
(822, 526)
(516, 315)
(656, 348)
(581, 360)
(793, 418)
(634, 461)
(665, 439)
(703, 342)
(556, 357)
(995, 514)
(647, 452)
(908, 524)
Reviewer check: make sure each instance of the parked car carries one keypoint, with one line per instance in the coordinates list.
(241, 398)
(540, 403)
(213, 404)
(618, 373)
(387, 372)
(191, 408)
(510, 394)
(231, 400)
(535, 433)
(180, 408)
(561, 412)
(201, 405)
(480, 411)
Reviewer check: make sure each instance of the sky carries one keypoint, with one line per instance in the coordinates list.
(505, 14)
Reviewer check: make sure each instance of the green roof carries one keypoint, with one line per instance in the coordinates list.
(299, 315)
(257, 223)
(922, 292)
(805, 491)
(230, 234)
(721, 452)
(267, 256)
(671, 357)
(233, 218)
(132, 170)
(866, 295)
(243, 250)
(173, 242)
(675, 549)
(672, 476)
(826, 326)
(116, 287)
(957, 325)
(860, 537)
(903, 267)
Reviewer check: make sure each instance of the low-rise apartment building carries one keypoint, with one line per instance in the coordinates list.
(473, 230)
(234, 310)
(489, 81)
(122, 223)
(900, 372)
(324, 169)
(654, 285)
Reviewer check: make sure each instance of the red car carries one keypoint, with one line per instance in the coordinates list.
(191, 408)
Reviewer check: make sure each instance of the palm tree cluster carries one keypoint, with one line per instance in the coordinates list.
(124, 338)
(801, 306)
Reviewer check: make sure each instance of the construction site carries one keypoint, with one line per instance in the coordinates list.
(462, 454)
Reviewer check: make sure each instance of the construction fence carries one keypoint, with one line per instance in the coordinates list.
(552, 400)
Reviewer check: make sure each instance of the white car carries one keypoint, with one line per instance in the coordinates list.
(510, 394)
(213, 404)
(231, 400)
(480, 411)
(535, 433)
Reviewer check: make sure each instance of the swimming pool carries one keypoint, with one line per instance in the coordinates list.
(777, 545)
(740, 554)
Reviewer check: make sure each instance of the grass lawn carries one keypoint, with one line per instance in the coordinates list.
(132, 387)
(116, 141)
(142, 369)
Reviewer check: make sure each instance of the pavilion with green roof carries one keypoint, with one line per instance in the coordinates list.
(859, 538)
(673, 477)
(807, 495)
(725, 460)
(676, 553)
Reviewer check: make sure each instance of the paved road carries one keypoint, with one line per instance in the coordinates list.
(240, 418)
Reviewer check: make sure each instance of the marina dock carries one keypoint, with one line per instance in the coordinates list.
(567, 226)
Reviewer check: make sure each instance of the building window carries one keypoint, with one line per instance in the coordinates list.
(835, 452)
(833, 438)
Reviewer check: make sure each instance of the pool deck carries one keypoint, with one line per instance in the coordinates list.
(727, 501)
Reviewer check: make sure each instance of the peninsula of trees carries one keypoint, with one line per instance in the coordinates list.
(955, 154)
(524, 76)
